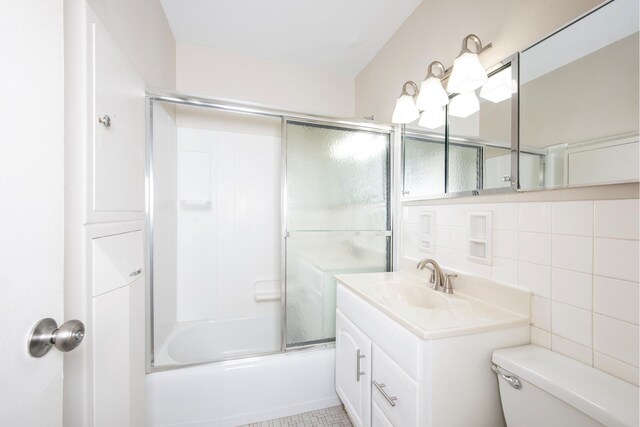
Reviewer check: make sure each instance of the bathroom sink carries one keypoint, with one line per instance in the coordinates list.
(404, 294)
(430, 314)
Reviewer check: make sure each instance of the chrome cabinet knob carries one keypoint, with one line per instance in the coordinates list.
(47, 334)
(105, 121)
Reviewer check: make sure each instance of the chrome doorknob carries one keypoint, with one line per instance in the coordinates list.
(47, 334)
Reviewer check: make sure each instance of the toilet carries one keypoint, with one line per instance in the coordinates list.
(539, 387)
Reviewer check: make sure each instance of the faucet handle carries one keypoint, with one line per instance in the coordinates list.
(448, 289)
(432, 279)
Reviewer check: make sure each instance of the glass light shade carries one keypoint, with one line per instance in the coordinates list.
(432, 118)
(432, 94)
(405, 111)
(464, 104)
(499, 87)
(467, 74)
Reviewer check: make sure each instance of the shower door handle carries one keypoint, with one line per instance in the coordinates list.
(358, 372)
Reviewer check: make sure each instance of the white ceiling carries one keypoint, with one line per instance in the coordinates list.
(340, 36)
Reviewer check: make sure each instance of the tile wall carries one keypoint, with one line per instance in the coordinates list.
(579, 258)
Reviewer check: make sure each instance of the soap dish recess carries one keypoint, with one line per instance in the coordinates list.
(480, 245)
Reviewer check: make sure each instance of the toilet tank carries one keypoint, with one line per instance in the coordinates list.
(542, 388)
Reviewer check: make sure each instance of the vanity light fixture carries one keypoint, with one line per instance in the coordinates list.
(499, 87)
(464, 104)
(432, 118)
(406, 110)
(467, 73)
(432, 94)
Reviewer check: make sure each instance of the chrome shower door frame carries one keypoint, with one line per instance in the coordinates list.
(231, 106)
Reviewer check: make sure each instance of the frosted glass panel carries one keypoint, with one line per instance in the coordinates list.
(312, 262)
(337, 179)
(337, 220)
(423, 166)
(464, 164)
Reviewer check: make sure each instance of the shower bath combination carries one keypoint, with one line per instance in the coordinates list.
(251, 213)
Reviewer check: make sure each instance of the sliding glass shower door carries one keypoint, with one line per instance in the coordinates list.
(337, 219)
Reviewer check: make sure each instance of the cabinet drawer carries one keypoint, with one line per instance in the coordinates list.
(389, 378)
(378, 418)
(116, 261)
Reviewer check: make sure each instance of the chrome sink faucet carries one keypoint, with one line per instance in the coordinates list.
(438, 278)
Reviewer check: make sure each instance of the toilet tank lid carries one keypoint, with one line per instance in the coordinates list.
(603, 397)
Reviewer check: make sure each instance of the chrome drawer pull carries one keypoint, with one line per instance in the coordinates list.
(512, 380)
(358, 357)
(390, 399)
(135, 273)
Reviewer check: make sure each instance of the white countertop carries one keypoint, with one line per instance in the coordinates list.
(430, 314)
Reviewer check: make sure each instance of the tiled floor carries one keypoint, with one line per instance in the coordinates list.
(335, 417)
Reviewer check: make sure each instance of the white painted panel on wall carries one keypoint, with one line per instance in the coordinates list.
(116, 261)
(119, 323)
(118, 158)
(226, 247)
(195, 177)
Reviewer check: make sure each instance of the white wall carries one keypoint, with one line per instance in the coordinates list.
(220, 74)
(435, 31)
(579, 258)
(142, 32)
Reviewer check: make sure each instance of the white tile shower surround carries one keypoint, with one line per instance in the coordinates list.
(579, 258)
(335, 416)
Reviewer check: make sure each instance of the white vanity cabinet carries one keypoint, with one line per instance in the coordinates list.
(407, 380)
(353, 369)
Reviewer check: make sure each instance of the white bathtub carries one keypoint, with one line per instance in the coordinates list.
(211, 340)
(241, 391)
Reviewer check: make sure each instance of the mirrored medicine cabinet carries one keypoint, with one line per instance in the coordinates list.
(572, 118)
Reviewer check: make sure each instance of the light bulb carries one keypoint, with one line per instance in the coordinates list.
(499, 87)
(432, 118)
(406, 110)
(464, 104)
(432, 94)
(467, 74)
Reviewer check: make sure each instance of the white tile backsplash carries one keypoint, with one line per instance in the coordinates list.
(540, 337)
(616, 338)
(505, 216)
(580, 260)
(505, 270)
(572, 253)
(616, 258)
(535, 217)
(459, 238)
(572, 287)
(572, 323)
(573, 218)
(505, 243)
(572, 349)
(535, 277)
(616, 368)
(534, 248)
(616, 219)
(541, 313)
(616, 298)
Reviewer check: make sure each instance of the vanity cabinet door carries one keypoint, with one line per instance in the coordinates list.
(353, 370)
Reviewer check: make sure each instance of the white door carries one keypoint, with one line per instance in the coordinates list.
(31, 206)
